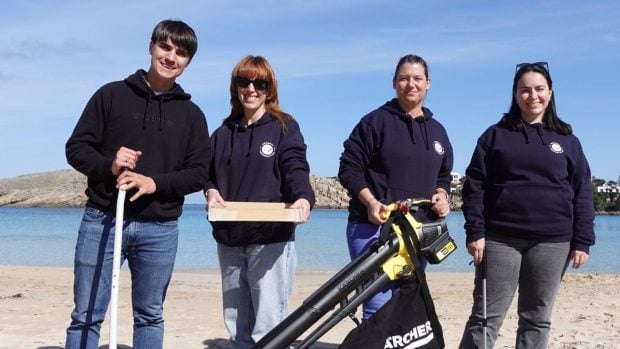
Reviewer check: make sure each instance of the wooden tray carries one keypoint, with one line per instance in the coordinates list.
(254, 212)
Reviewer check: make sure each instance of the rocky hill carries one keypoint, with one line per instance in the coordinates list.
(329, 192)
(65, 188)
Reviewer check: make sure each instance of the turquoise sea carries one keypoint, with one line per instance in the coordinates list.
(46, 237)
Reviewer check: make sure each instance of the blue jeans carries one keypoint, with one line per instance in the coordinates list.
(150, 248)
(359, 238)
(256, 284)
(537, 269)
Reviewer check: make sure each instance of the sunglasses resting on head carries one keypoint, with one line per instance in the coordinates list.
(543, 65)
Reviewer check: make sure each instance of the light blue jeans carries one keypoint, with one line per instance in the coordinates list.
(537, 269)
(359, 238)
(256, 284)
(150, 248)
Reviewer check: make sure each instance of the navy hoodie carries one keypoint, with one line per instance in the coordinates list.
(169, 130)
(262, 163)
(396, 156)
(530, 184)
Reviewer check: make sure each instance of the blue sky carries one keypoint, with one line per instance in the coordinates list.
(334, 61)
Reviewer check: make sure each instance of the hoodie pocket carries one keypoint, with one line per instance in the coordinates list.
(529, 204)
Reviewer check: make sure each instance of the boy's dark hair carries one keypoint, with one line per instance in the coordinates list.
(178, 32)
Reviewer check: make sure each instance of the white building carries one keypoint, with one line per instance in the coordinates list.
(455, 184)
(606, 188)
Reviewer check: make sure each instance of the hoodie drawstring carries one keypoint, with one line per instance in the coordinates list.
(524, 131)
(236, 128)
(161, 99)
(540, 135)
(538, 132)
(410, 128)
(161, 112)
(423, 130)
(252, 127)
(146, 108)
(232, 141)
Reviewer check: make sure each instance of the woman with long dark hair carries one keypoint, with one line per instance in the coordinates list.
(529, 211)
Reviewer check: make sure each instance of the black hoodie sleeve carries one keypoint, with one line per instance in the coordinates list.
(294, 165)
(211, 182)
(356, 157)
(583, 203)
(83, 149)
(444, 177)
(473, 192)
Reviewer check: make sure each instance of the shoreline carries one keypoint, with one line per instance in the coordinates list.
(327, 207)
(301, 271)
(35, 303)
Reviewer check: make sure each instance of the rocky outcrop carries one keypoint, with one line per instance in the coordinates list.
(329, 192)
(65, 188)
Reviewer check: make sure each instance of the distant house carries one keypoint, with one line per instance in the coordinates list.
(608, 188)
(455, 184)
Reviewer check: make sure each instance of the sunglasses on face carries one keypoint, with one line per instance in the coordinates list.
(259, 84)
(543, 65)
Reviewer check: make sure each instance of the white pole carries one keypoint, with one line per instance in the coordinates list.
(484, 312)
(116, 266)
(484, 299)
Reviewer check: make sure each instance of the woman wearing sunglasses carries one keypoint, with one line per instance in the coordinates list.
(529, 211)
(259, 155)
(396, 152)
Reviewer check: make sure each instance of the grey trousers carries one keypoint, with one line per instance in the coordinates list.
(537, 269)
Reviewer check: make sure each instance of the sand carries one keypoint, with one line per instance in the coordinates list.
(35, 303)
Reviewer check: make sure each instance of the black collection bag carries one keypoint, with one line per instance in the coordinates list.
(408, 320)
(401, 323)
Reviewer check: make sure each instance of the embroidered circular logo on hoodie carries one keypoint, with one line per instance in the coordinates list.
(267, 149)
(438, 147)
(556, 148)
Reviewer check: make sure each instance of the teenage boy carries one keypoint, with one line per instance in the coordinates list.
(144, 133)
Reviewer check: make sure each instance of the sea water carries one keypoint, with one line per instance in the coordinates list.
(46, 237)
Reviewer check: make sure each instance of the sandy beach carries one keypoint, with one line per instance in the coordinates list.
(35, 303)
